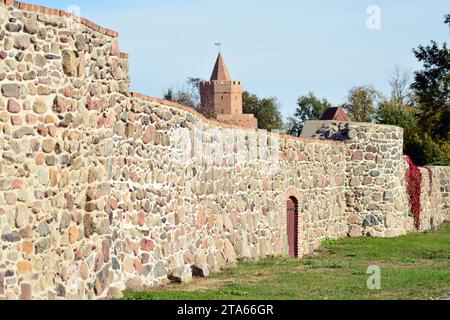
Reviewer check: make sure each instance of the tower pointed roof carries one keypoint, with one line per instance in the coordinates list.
(220, 71)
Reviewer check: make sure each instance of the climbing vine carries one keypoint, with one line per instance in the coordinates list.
(414, 182)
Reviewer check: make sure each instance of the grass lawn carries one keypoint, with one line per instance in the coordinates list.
(416, 266)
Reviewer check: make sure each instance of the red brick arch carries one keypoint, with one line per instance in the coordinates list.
(292, 213)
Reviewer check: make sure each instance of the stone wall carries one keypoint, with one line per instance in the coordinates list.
(103, 190)
(172, 215)
(59, 79)
(93, 199)
(376, 190)
(435, 198)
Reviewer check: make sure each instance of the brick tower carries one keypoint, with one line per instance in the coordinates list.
(223, 96)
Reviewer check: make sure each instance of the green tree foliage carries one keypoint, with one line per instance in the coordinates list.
(309, 108)
(266, 110)
(362, 103)
(432, 88)
(429, 143)
(250, 102)
(424, 150)
(391, 113)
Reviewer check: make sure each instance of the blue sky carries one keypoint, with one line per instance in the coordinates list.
(282, 48)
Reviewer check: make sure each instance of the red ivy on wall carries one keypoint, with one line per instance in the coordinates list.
(414, 187)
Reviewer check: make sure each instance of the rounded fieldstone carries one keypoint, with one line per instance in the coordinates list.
(12, 237)
(13, 27)
(42, 245)
(25, 131)
(13, 106)
(43, 176)
(39, 106)
(159, 271)
(29, 76)
(19, 57)
(69, 63)
(42, 33)
(80, 42)
(371, 221)
(40, 61)
(60, 290)
(375, 173)
(43, 230)
(22, 42)
(51, 56)
(50, 161)
(11, 90)
(134, 284)
(30, 26)
(115, 294)
(48, 145)
(22, 215)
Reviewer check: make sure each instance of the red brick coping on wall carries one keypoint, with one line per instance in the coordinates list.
(114, 34)
(62, 13)
(141, 96)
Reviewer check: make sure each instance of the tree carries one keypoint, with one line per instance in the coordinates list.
(266, 110)
(250, 103)
(169, 95)
(181, 97)
(309, 108)
(400, 110)
(392, 113)
(362, 103)
(432, 88)
(424, 150)
(188, 95)
(400, 82)
(269, 115)
(193, 85)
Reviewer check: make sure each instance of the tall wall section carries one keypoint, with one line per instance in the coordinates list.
(59, 83)
(97, 191)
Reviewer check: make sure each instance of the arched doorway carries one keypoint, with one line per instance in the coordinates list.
(292, 226)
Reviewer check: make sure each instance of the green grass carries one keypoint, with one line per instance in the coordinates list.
(416, 266)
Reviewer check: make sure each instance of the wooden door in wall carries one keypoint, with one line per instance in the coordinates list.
(292, 226)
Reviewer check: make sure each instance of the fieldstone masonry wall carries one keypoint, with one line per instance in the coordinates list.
(435, 198)
(100, 191)
(375, 176)
(376, 191)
